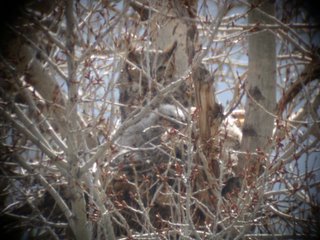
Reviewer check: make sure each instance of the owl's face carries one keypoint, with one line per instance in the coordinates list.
(144, 74)
(151, 65)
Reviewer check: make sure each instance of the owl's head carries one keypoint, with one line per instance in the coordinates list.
(151, 64)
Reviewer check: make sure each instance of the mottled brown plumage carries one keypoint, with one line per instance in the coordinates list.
(144, 74)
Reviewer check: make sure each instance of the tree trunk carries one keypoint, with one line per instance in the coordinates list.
(261, 99)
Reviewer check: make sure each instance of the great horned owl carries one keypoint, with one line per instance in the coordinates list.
(144, 74)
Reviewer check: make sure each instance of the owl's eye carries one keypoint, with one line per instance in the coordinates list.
(160, 71)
